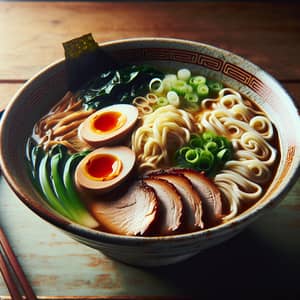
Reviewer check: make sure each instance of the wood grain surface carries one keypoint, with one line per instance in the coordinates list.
(266, 33)
(264, 257)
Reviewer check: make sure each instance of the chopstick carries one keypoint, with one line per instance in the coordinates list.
(12, 272)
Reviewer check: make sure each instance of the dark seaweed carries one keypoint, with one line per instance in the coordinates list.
(117, 86)
(117, 83)
(85, 59)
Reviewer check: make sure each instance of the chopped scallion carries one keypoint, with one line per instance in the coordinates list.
(202, 91)
(183, 74)
(214, 87)
(195, 81)
(191, 97)
(207, 152)
(173, 98)
(181, 87)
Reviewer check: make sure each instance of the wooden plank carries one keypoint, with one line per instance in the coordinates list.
(265, 33)
(7, 91)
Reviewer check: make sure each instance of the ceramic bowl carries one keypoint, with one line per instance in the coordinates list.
(41, 92)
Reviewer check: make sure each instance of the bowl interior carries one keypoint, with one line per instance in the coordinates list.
(46, 88)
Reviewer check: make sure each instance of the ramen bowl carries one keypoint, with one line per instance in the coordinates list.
(45, 89)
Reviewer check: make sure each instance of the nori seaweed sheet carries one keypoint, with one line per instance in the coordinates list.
(85, 59)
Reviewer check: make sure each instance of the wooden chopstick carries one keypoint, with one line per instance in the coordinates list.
(12, 272)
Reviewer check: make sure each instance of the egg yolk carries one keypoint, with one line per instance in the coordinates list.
(108, 121)
(103, 167)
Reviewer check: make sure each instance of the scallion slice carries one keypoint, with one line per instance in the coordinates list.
(202, 91)
(195, 81)
(207, 152)
(214, 87)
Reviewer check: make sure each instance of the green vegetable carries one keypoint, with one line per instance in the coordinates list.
(181, 87)
(206, 161)
(58, 185)
(211, 146)
(46, 186)
(207, 152)
(214, 87)
(202, 91)
(192, 156)
(34, 154)
(52, 173)
(81, 214)
(195, 142)
(195, 81)
(191, 98)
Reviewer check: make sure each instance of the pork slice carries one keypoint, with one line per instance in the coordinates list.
(170, 206)
(209, 193)
(192, 204)
(129, 214)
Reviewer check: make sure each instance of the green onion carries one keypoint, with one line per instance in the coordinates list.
(181, 87)
(183, 150)
(173, 98)
(191, 97)
(168, 81)
(211, 146)
(196, 142)
(224, 155)
(156, 85)
(183, 74)
(197, 80)
(207, 152)
(208, 136)
(214, 87)
(206, 161)
(202, 91)
(192, 156)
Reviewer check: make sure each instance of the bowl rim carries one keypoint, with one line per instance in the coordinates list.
(77, 230)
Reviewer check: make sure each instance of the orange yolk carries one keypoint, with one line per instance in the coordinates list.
(108, 121)
(103, 167)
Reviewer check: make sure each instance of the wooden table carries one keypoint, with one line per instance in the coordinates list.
(266, 255)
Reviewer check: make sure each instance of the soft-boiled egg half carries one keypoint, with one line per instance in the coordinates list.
(104, 168)
(108, 125)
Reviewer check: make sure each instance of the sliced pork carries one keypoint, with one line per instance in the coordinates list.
(192, 206)
(209, 193)
(129, 214)
(170, 206)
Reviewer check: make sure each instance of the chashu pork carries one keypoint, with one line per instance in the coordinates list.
(130, 214)
(209, 193)
(191, 200)
(170, 206)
